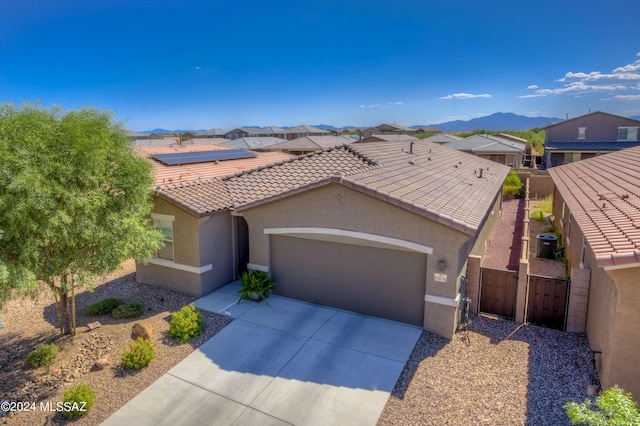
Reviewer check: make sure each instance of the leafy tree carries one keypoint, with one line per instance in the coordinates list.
(612, 407)
(74, 202)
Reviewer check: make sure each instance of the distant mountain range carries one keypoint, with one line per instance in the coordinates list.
(493, 122)
(497, 121)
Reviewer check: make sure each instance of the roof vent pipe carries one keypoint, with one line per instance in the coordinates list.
(411, 148)
(480, 174)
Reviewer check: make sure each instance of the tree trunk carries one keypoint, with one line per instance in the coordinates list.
(65, 316)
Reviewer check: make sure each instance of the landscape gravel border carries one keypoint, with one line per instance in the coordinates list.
(504, 374)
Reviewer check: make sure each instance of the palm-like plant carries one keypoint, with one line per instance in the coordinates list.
(255, 285)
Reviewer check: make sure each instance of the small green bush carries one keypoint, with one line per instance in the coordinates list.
(77, 401)
(513, 186)
(42, 355)
(103, 307)
(128, 310)
(186, 323)
(612, 407)
(538, 215)
(139, 354)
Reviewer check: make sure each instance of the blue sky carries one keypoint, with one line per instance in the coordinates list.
(196, 64)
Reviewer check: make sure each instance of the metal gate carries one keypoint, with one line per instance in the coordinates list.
(498, 292)
(548, 299)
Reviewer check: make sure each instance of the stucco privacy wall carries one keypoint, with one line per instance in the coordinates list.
(203, 253)
(336, 206)
(612, 327)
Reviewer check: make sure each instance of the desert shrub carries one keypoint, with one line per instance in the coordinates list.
(612, 407)
(78, 400)
(42, 355)
(538, 215)
(128, 310)
(186, 323)
(103, 307)
(139, 354)
(512, 187)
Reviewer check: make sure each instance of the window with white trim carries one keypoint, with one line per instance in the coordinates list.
(582, 132)
(164, 224)
(628, 133)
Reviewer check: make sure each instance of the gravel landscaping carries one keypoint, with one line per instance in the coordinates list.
(30, 322)
(503, 374)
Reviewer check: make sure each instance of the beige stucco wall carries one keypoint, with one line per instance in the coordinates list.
(336, 206)
(197, 243)
(612, 325)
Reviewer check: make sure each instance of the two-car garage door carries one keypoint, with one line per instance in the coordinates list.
(372, 280)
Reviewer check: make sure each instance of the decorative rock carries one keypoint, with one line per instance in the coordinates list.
(102, 363)
(142, 329)
(93, 325)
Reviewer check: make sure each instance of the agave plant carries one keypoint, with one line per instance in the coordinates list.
(255, 285)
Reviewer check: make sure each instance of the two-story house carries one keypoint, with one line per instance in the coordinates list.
(588, 136)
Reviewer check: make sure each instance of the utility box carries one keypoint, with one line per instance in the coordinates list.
(547, 246)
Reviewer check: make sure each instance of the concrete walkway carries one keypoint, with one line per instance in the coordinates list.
(289, 363)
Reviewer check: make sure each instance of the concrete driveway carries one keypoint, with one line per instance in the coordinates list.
(289, 363)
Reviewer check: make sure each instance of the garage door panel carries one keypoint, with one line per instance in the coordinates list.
(375, 281)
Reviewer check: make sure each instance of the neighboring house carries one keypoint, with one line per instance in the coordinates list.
(588, 136)
(596, 207)
(389, 129)
(308, 144)
(389, 138)
(256, 132)
(379, 228)
(255, 143)
(442, 138)
(500, 150)
(302, 131)
(211, 134)
(134, 136)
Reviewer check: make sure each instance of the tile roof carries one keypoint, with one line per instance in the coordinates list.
(166, 175)
(589, 146)
(305, 129)
(442, 138)
(486, 143)
(199, 198)
(389, 138)
(603, 195)
(433, 181)
(311, 143)
(251, 142)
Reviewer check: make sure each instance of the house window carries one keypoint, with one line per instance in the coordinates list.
(582, 132)
(164, 224)
(628, 133)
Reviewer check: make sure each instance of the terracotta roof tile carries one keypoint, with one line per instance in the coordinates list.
(434, 181)
(603, 194)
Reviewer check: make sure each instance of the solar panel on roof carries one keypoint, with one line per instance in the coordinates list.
(202, 157)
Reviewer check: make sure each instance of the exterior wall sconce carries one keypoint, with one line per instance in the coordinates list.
(441, 265)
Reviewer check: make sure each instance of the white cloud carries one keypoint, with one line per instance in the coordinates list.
(627, 97)
(396, 103)
(197, 68)
(465, 96)
(577, 83)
